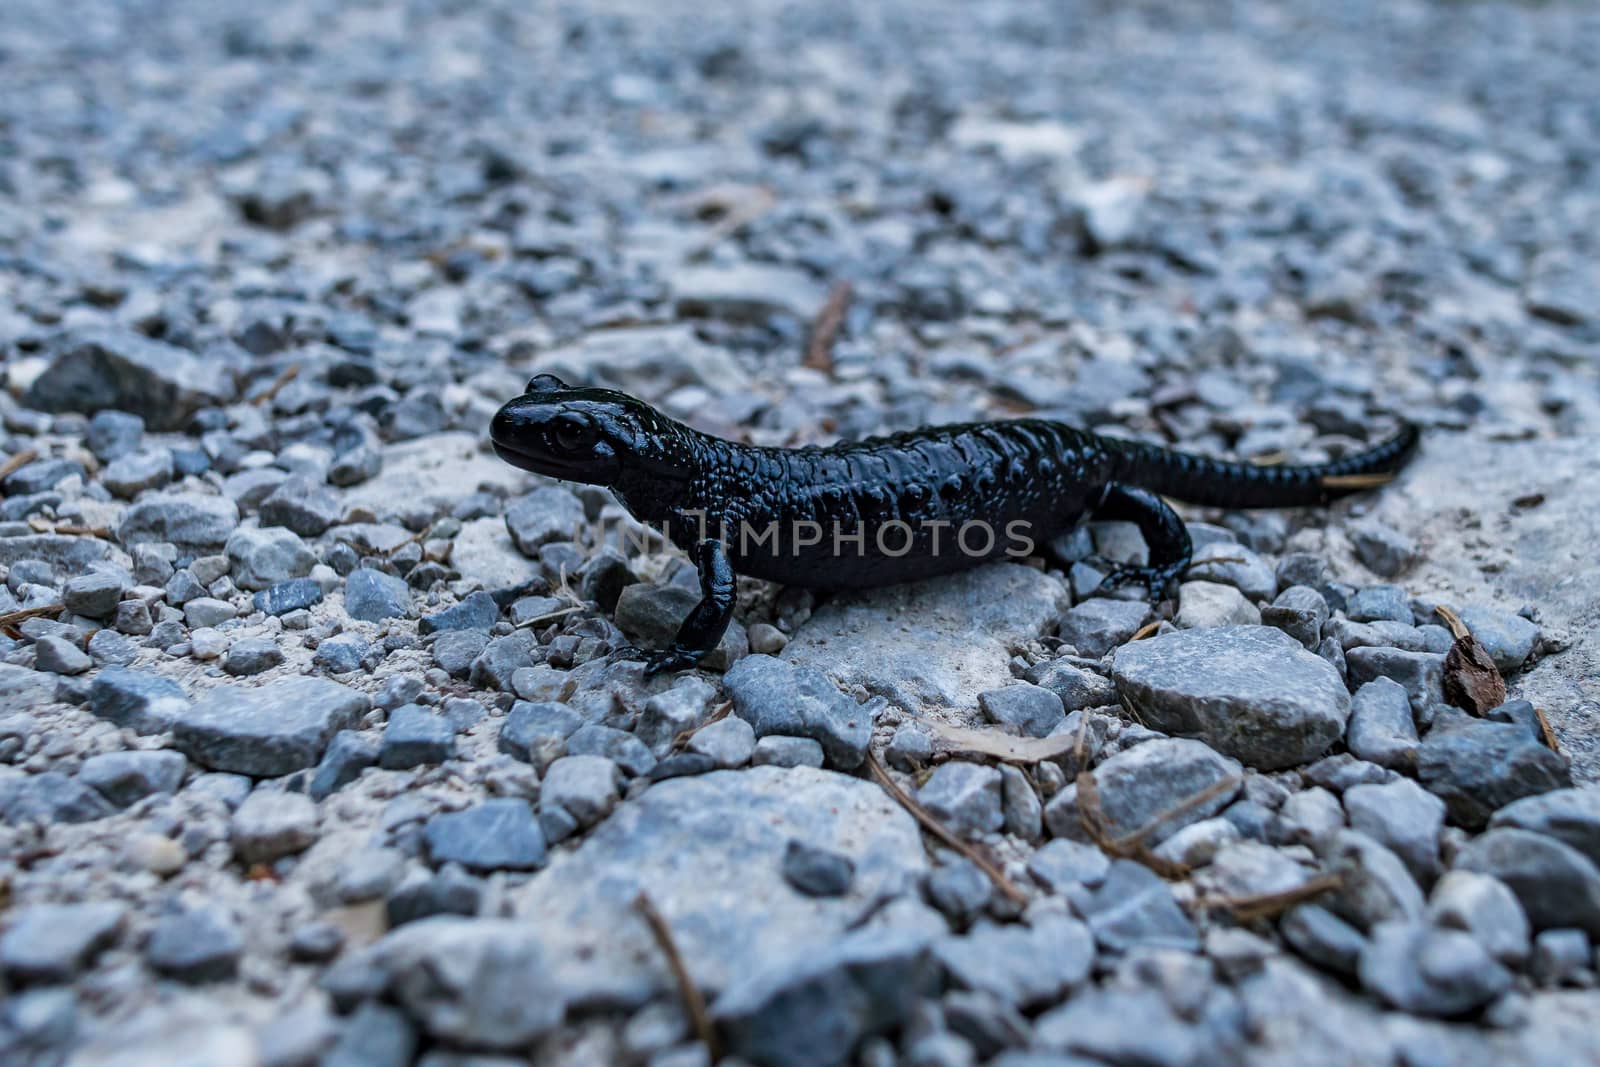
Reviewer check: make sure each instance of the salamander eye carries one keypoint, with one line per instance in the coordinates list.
(573, 433)
(543, 383)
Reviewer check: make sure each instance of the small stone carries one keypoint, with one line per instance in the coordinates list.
(492, 836)
(1429, 971)
(271, 824)
(730, 742)
(157, 853)
(268, 730)
(1323, 938)
(1404, 818)
(348, 754)
(1477, 767)
(1076, 687)
(60, 656)
(1557, 885)
(1020, 804)
(451, 891)
(766, 639)
(126, 777)
(619, 746)
(263, 557)
(372, 596)
(1381, 729)
(416, 736)
(1571, 816)
(1560, 956)
(341, 654)
(192, 521)
(959, 889)
(1024, 966)
(544, 515)
(112, 433)
(817, 872)
(207, 612)
(1101, 624)
(1379, 603)
(1484, 907)
(1250, 692)
(303, 505)
(674, 711)
(297, 594)
(1384, 550)
(119, 368)
(194, 947)
(1421, 674)
(1376, 886)
(1134, 907)
(1203, 604)
(776, 750)
(577, 792)
(775, 697)
(1060, 864)
(477, 612)
(965, 797)
(486, 983)
(252, 655)
(143, 701)
(817, 1007)
(1300, 612)
(1139, 784)
(375, 1035)
(537, 732)
(1509, 639)
(94, 595)
(55, 942)
(910, 747)
(1023, 708)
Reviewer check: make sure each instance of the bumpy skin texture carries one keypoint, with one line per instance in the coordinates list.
(886, 509)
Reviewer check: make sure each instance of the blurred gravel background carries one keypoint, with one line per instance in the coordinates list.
(312, 753)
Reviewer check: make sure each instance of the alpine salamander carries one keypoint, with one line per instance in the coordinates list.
(887, 509)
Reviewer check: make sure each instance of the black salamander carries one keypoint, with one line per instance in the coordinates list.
(891, 509)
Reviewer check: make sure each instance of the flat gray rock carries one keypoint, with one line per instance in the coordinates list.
(266, 731)
(935, 644)
(709, 850)
(1251, 692)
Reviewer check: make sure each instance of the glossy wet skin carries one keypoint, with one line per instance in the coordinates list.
(1042, 474)
(578, 435)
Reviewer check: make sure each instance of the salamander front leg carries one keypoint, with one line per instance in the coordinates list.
(706, 623)
(1163, 531)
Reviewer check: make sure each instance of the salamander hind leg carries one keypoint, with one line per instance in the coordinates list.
(1163, 531)
(707, 620)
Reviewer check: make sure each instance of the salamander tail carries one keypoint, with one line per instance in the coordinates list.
(1226, 484)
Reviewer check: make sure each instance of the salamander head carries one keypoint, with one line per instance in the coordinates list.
(586, 435)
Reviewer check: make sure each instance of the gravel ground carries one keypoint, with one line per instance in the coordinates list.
(315, 754)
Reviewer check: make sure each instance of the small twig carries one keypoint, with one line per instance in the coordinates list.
(1356, 481)
(1254, 906)
(11, 619)
(939, 830)
(1136, 838)
(71, 530)
(1093, 820)
(1458, 629)
(17, 461)
(1145, 631)
(290, 373)
(1547, 733)
(718, 713)
(693, 1002)
(825, 330)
